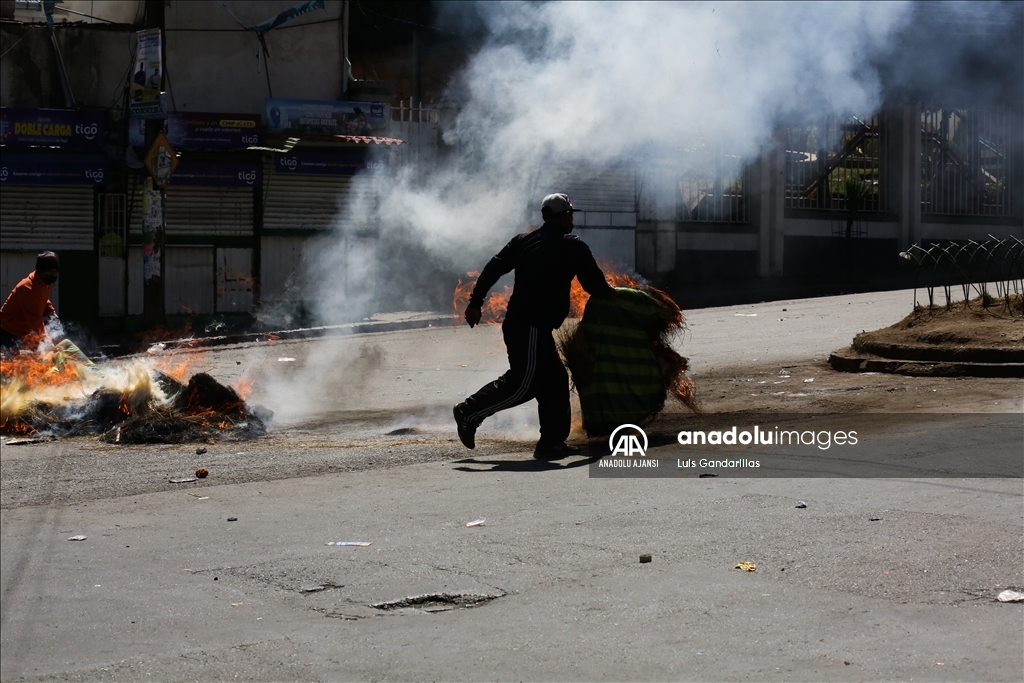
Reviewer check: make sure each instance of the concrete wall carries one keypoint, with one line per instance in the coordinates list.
(96, 58)
(212, 63)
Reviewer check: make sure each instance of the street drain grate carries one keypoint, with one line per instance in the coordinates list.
(436, 602)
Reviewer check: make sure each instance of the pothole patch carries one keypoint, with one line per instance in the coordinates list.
(437, 602)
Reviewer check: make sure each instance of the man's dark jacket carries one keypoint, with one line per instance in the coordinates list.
(545, 260)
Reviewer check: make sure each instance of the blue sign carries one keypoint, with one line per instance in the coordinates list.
(327, 117)
(194, 173)
(212, 131)
(60, 168)
(51, 128)
(323, 161)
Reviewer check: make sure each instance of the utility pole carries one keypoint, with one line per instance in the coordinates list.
(154, 282)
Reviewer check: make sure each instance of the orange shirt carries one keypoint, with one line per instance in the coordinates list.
(26, 308)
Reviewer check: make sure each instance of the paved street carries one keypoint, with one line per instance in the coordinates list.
(876, 579)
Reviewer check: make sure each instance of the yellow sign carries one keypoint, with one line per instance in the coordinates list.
(161, 161)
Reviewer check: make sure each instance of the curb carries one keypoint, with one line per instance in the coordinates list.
(299, 333)
(845, 360)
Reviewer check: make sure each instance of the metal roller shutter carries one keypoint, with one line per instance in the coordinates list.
(608, 189)
(208, 211)
(47, 217)
(318, 202)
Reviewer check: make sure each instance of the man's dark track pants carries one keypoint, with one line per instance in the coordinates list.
(535, 371)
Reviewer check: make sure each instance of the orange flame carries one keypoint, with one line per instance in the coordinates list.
(493, 310)
(34, 371)
(243, 387)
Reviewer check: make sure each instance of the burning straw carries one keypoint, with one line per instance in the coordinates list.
(62, 395)
(621, 360)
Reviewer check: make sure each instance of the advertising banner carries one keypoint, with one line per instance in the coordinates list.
(51, 128)
(148, 76)
(327, 117)
(320, 161)
(197, 130)
(25, 168)
(217, 174)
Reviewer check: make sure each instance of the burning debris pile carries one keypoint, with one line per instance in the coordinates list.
(621, 359)
(127, 403)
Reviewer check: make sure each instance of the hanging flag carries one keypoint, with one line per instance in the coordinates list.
(287, 16)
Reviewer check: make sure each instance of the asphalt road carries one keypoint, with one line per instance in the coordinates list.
(876, 579)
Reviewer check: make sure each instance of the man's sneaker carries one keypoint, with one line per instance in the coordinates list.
(555, 451)
(467, 430)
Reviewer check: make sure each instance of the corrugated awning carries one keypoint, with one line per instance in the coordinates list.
(368, 139)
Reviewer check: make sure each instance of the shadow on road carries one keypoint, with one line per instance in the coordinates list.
(518, 465)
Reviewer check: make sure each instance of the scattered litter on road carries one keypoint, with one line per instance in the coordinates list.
(201, 450)
(801, 503)
(237, 604)
(644, 559)
(874, 519)
(24, 442)
(360, 544)
(196, 495)
(232, 519)
(745, 315)
(1010, 596)
(202, 472)
(182, 480)
(809, 379)
(82, 538)
(476, 522)
(746, 566)
(285, 360)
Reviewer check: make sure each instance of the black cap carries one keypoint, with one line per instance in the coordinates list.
(46, 261)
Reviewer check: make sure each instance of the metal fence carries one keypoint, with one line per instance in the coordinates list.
(716, 190)
(837, 165)
(972, 267)
(966, 164)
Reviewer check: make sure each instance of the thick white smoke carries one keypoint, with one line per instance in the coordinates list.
(595, 83)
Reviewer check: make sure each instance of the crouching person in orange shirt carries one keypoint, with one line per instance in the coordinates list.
(24, 315)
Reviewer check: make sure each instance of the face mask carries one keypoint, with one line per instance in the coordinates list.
(49, 279)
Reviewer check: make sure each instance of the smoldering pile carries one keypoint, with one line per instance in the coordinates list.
(131, 404)
(621, 359)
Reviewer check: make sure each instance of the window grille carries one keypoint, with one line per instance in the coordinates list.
(966, 164)
(113, 224)
(837, 165)
(716, 190)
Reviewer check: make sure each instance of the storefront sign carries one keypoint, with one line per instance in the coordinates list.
(217, 174)
(148, 76)
(213, 131)
(26, 168)
(327, 117)
(321, 161)
(51, 128)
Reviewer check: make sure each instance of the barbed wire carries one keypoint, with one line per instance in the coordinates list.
(970, 266)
